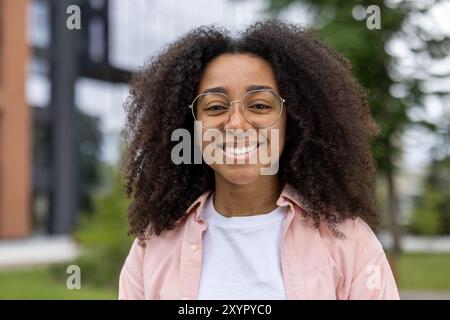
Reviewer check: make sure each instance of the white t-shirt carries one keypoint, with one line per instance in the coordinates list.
(241, 255)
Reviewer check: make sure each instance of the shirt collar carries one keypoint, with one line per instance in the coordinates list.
(289, 195)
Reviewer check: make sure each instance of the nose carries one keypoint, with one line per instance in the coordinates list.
(237, 119)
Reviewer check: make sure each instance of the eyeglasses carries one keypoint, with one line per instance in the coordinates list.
(261, 108)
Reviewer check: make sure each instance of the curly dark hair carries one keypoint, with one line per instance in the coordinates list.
(327, 157)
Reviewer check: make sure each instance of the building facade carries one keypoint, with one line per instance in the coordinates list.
(15, 119)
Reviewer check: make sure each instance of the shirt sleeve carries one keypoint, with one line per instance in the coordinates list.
(131, 280)
(373, 278)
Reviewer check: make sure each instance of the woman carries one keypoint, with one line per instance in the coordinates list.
(299, 226)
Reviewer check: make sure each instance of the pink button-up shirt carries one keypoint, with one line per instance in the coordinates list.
(314, 263)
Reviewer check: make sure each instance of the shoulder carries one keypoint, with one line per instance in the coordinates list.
(358, 245)
(362, 235)
(153, 246)
(351, 229)
(357, 261)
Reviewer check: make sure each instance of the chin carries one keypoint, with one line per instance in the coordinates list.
(241, 175)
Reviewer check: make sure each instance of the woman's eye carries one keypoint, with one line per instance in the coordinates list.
(260, 106)
(215, 108)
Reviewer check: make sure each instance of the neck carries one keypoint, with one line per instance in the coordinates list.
(244, 200)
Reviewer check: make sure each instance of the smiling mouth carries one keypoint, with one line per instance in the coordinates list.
(234, 150)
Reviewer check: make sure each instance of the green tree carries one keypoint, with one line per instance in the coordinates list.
(431, 214)
(378, 69)
(426, 217)
(103, 235)
(89, 142)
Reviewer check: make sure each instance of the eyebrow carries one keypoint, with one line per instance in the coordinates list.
(248, 88)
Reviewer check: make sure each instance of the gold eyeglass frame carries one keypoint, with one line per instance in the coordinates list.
(191, 106)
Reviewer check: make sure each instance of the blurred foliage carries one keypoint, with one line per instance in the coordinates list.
(379, 70)
(102, 235)
(426, 218)
(431, 214)
(89, 140)
(372, 64)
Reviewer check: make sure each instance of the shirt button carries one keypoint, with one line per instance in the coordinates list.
(194, 247)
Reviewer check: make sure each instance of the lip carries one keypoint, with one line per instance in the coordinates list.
(237, 143)
(241, 155)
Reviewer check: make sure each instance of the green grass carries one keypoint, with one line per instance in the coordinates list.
(421, 271)
(39, 283)
(416, 271)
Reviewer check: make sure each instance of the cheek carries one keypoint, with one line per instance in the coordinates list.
(205, 138)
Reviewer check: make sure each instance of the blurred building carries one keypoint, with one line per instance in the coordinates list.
(15, 120)
(44, 137)
(65, 137)
(54, 76)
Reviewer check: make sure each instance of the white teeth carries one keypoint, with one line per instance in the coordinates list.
(240, 150)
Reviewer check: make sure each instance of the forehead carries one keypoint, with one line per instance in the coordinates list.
(237, 71)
